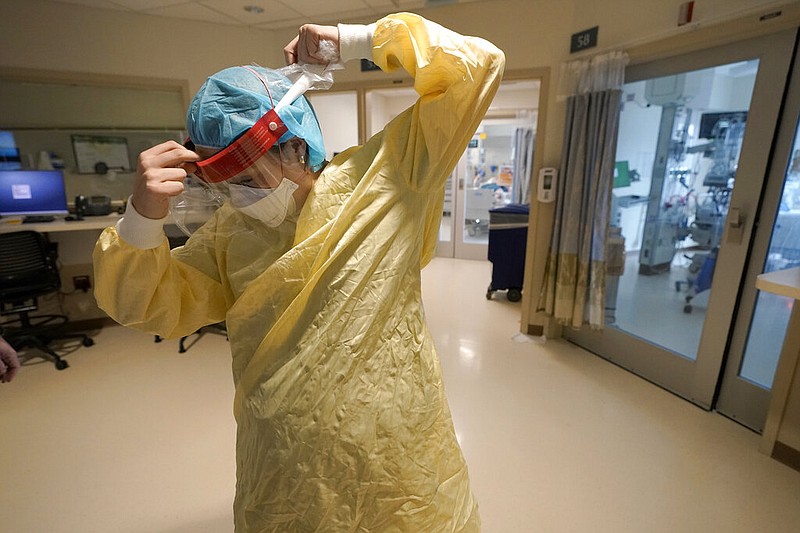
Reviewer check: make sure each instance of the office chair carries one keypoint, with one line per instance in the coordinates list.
(219, 328)
(28, 270)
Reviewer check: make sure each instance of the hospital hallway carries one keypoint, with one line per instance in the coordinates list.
(135, 437)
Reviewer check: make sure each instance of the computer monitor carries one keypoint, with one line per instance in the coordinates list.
(622, 174)
(32, 192)
(9, 153)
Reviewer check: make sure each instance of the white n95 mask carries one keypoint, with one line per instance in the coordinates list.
(270, 206)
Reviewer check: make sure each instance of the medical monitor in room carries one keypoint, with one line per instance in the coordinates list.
(32, 192)
(713, 125)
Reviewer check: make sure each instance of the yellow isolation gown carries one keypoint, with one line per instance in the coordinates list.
(343, 424)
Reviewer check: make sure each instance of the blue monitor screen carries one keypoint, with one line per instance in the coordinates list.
(32, 192)
(9, 153)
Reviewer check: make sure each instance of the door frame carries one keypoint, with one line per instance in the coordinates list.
(738, 398)
(697, 380)
(540, 74)
(464, 249)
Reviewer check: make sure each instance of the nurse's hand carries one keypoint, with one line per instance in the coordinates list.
(159, 175)
(305, 48)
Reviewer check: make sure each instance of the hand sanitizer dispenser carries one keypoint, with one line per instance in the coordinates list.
(546, 189)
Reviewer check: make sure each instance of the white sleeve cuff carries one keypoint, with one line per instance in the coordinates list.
(355, 41)
(140, 231)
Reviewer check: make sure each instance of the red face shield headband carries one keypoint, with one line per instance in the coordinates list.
(244, 151)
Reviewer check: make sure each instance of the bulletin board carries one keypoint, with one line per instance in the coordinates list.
(96, 154)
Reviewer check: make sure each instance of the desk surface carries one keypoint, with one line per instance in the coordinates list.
(11, 224)
(782, 282)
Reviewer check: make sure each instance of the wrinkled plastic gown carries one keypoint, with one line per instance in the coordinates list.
(343, 424)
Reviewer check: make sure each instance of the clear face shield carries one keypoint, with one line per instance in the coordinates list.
(256, 173)
(263, 191)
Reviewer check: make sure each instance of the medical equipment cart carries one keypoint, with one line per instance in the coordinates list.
(508, 234)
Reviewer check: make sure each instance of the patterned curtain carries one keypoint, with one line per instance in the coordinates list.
(574, 288)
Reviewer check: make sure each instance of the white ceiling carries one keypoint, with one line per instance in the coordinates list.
(275, 14)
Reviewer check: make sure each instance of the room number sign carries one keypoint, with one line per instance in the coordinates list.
(583, 40)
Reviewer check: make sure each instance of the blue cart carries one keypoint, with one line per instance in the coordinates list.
(508, 235)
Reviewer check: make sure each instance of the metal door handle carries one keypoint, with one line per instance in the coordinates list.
(735, 225)
(735, 218)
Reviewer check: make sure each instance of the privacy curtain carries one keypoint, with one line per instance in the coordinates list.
(574, 288)
(523, 161)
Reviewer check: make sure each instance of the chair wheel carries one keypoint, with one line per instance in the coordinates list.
(687, 308)
(514, 295)
(61, 364)
(88, 341)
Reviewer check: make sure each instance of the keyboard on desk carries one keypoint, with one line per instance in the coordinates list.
(36, 219)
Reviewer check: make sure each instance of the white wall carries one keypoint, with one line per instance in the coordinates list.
(337, 115)
(385, 104)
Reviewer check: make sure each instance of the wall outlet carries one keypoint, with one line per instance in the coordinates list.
(82, 283)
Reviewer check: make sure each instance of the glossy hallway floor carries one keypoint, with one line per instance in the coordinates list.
(137, 438)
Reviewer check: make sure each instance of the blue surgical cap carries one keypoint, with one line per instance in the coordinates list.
(232, 100)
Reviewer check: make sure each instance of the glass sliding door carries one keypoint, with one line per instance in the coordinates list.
(494, 170)
(693, 147)
(763, 317)
(772, 311)
(496, 167)
(678, 152)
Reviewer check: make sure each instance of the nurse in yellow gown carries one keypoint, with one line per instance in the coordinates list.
(343, 424)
